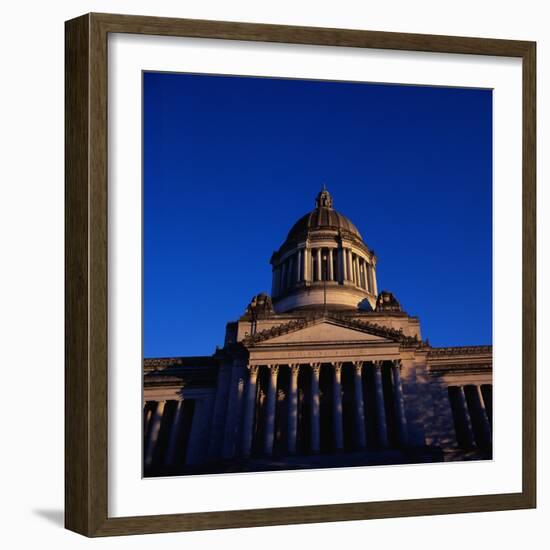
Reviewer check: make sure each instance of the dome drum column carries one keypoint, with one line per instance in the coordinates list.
(343, 270)
(299, 270)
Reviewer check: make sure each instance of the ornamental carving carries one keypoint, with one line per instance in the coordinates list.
(376, 329)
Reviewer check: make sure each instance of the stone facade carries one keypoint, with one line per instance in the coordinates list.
(327, 372)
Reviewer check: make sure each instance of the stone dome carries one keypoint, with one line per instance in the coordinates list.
(323, 263)
(323, 217)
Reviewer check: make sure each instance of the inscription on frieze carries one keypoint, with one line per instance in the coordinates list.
(296, 356)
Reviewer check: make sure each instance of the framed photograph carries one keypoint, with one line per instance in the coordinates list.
(300, 275)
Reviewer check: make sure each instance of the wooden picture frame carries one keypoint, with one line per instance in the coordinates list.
(86, 365)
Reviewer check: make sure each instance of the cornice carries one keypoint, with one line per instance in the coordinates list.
(459, 350)
(342, 320)
(461, 368)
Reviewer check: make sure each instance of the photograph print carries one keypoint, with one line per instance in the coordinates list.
(317, 274)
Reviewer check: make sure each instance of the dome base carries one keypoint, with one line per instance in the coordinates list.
(338, 296)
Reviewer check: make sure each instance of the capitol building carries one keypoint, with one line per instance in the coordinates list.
(327, 371)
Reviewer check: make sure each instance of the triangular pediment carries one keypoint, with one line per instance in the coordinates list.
(325, 332)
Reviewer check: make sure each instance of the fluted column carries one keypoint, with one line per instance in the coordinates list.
(381, 426)
(350, 266)
(156, 422)
(368, 274)
(342, 253)
(399, 403)
(337, 417)
(148, 413)
(319, 265)
(231, 438)
(283, 285)
(315, 435)
(330, 265)
(485, 415)
(173, 437)
(463, 407)
(270, 409)
(478, 416)
(360, 429)
(293, 408)
(249, 410)
(299, 271)
(307, 264)
(374, 285)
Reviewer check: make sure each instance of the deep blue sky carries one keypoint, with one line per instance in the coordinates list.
(230, 163)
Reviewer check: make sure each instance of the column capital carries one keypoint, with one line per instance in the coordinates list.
(337, 366)
(294, 368)
(378, 364)
(358, 366)
(253, 369)
(274, 369)
(315, 367)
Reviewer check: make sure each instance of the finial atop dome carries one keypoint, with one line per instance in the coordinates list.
(324, 198)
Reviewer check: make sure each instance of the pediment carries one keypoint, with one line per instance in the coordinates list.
(326, 332)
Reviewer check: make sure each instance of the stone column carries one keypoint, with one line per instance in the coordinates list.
(363, 274)
(485, 415)
(173, 438)
(463, 408)
(154, 431)
(315, 435)
(374, 285)
(350, 265)
(282, 285)
(233, 411)
(249, 410)
(299, 272)
(482, 429)
(307, 264)
(293, 408)
(342, 254)
(330, 265)
(271, 401)
(381, 427)
(319, 265)
(337, 417)
(399, 403)
(360, 429)
(148, 413)
(198, 435)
